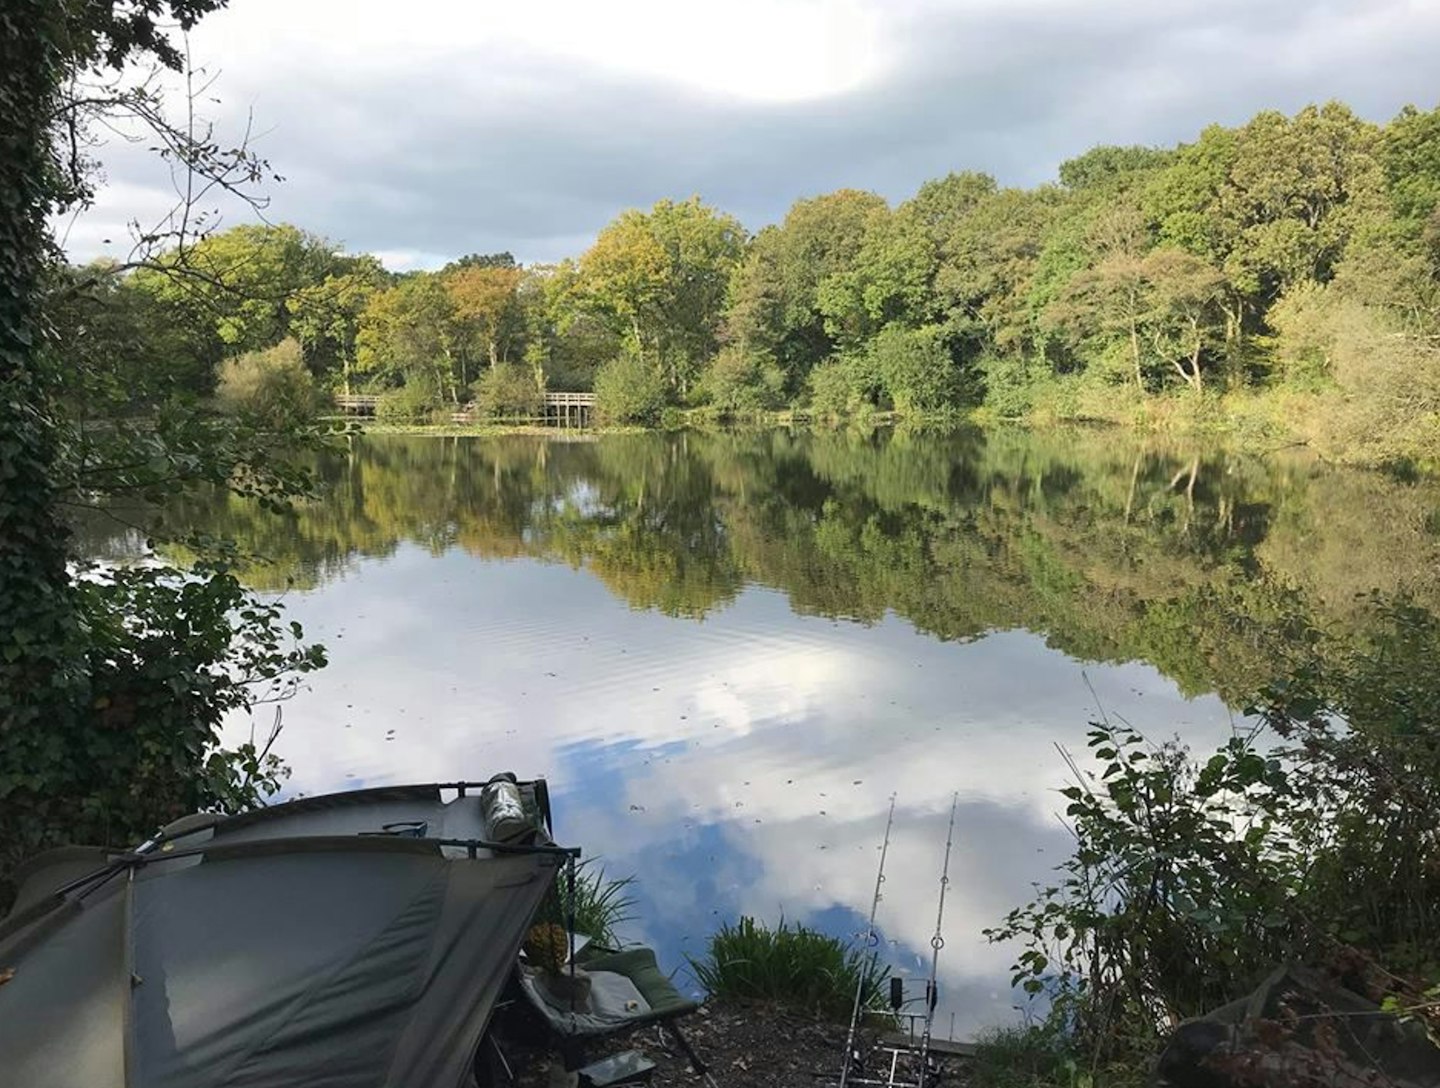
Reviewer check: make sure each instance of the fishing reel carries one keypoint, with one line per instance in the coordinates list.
(898, 1000)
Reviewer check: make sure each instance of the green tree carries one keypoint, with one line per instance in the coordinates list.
(325, 318)
(1272, 203)
(1103, 284)
(566, 341)
(114, 342)
(486, 310)
(1410, 153)
(1186, 317)
(663, 275)
(233, 291)
(1165, 308)
(1107, 166)
(988, 261)
(409, 332)
(112, 688)
(889, 281)
(774, 302)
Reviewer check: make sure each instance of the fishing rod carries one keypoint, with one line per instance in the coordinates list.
(937, 942)
(873, 941)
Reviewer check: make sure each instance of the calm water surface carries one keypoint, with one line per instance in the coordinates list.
(726, 652)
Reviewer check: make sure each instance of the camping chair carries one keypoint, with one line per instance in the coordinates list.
(627, 990)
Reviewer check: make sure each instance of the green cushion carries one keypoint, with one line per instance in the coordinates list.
(640, 967)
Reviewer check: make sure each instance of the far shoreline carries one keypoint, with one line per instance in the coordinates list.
(1244, 423)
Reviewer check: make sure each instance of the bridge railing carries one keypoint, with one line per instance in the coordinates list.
(565, 407)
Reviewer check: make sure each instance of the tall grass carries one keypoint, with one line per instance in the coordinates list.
(795, 967)
(1041, 1055)
(599, 905)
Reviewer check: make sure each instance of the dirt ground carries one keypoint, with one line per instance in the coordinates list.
(742, 1046)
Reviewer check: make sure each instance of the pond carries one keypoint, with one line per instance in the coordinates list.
(726, 652)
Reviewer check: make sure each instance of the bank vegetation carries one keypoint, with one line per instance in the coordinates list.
(1279, 280)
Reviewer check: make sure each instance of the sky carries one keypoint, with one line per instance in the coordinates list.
(442, 127)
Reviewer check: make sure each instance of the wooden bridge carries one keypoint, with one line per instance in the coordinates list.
(560, 409)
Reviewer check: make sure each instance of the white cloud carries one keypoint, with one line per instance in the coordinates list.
(739, 765)
(753, 50)
(480, 127)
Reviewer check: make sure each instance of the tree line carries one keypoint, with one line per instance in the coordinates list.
(1294, 255)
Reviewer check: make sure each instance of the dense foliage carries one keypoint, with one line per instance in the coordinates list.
(1296, 257)
(114, 682)
(1311, 839)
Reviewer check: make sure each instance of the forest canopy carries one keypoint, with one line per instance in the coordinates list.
(1286, 271)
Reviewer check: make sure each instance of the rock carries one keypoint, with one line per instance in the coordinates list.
(1298, 1027)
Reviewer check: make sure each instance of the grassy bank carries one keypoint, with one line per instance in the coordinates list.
(484, 430)
(791, 967)
(1259, 422)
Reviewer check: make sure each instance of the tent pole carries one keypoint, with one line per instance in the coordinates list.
(129, 1055)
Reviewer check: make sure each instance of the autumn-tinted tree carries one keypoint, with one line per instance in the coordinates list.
(486, 311)
(662, 275)
(409, 333)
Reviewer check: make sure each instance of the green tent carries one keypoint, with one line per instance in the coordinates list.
(345, 941)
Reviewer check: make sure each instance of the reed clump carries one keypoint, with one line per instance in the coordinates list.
(791, 966)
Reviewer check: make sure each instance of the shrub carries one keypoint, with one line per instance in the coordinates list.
(170, 657)
(508, 390)
(839, 387)
(915, 368)
(798, 968)
(1304, 324)
(417, 401)
(272, 387)
(738, 382)
(628, 390)
(1378, 377)
(1191, 879)
(1388, 410)
(1039, 1055)
(1010, 382)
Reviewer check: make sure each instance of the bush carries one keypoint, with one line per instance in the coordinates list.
(1388, 407)
(271, 387)
(169, 658)
(798, 968)
(915, 369)
(417, 401)
(1009, 382)
(508, 390)
(1304, 323)
(840, 387)
(1038, 1055)
(1191, 879)
(738, 383)
(1384, 404)
(628, 390)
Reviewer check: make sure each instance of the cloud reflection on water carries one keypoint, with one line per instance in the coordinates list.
(741, 765)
